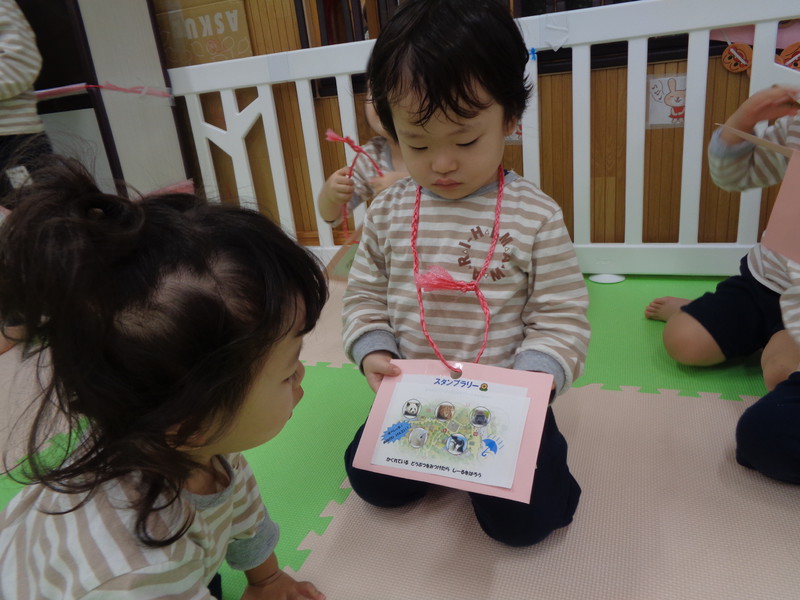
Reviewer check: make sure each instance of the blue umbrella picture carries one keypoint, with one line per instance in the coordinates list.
(490, 445)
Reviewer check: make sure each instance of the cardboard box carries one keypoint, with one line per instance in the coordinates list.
(194, 32)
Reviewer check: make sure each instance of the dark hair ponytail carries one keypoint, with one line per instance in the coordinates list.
(60, 248)
(155, 314)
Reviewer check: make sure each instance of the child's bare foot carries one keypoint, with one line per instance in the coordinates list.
(661, 309)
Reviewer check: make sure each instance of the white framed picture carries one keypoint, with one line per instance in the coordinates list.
(666, 100)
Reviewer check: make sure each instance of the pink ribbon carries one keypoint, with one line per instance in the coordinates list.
(437, 278)
(332, 136)
(79, 88)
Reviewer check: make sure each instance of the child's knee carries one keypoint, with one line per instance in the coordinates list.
(518, 524)
(779, 359)
(521, 538)
(385, 491)
(768, 437)
(378, 489)
(775, 370)
(689, 343)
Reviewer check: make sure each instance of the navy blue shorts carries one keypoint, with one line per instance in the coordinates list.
(741, 315)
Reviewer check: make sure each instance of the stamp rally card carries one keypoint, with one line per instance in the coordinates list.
(478, 433)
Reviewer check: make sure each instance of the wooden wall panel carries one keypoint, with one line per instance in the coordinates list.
(608, 102)
(663, 168)
(272, 25)
(719, 210)
(555, 127)
(294, 153)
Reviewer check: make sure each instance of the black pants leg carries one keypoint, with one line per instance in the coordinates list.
(768, 433)
(215, 586)
(379, 489)
(554, 497)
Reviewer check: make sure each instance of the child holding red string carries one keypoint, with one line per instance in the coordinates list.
(367, 179)
(448, 83)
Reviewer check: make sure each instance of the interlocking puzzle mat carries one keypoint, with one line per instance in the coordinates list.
(665, 510)
(666, 513)
(626, 348)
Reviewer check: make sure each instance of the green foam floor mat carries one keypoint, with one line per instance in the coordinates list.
(626, 348)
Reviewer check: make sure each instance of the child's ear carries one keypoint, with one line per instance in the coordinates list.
(511, 125)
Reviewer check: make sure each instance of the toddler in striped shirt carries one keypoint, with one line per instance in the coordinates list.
(448, 84)
(166, 334)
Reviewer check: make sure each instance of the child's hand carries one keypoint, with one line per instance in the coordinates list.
(376, 366)
(388, 180)
(337, 190)
(282, 587)
(340, 187)
(766, 105)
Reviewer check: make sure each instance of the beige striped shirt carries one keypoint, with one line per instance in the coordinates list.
(533, 285)
(93, 552)
(745, 166)
(363, 171)
(20, 63)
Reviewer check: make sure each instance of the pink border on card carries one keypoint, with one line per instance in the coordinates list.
(538, 386)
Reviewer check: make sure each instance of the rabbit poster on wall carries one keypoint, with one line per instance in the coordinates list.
(666, 100)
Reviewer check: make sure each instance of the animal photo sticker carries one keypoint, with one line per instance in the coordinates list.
(411, 409)
(666, 100)
(454, 431)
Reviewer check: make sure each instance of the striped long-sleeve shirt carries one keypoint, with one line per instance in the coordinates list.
(533, 285)
(20, 63)
(93, 552)
(363, 171)
(745, 166)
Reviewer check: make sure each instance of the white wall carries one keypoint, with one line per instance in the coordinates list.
(124, 51)
(75, 133)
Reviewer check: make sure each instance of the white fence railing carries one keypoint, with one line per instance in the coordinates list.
(634, 22)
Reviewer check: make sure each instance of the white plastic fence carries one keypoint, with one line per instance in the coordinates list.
(633, 22)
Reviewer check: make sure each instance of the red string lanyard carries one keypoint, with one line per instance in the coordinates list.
(332, 136)
(437, 278)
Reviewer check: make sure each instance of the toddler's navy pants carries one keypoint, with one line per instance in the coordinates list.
(768, 433)
(554, 497)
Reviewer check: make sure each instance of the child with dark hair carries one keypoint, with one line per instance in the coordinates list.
(448, 82)
(759, 309)
(168, 333)
(365, 183)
